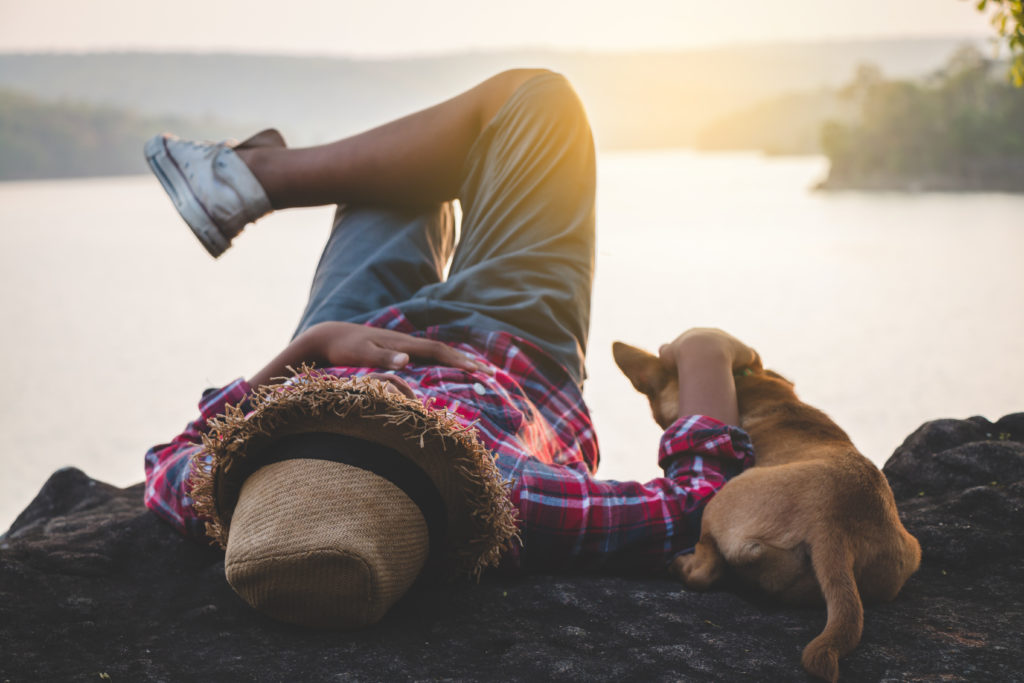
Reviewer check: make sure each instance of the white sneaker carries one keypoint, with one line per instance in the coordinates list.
(211, 187)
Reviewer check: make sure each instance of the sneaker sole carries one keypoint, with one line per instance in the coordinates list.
(183, 197)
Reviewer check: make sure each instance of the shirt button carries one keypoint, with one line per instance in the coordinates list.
(479, 388)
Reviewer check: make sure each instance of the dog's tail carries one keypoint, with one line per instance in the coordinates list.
(833, 567)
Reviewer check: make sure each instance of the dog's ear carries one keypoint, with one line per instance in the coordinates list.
(643, 369)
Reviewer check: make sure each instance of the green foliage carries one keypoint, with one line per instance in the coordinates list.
(1008, 20)
(66, 139)
(962, 123)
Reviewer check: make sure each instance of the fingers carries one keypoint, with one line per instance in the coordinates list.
(374, 355)
(407, 346)
(667, 355)
(398, 360)
(438, 351)
(708, 340)
(341, 343)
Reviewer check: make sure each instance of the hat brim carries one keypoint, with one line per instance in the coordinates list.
(481, 518)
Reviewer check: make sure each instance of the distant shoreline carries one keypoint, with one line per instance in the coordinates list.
(983, 175)
(78, 114)
(870, 182)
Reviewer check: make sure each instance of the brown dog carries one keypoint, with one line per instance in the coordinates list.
(812, 521)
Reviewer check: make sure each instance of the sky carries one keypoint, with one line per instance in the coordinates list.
(379, 28)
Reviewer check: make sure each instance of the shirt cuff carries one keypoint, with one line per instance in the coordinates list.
(699, 435)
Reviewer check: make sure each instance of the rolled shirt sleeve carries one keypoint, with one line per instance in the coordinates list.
(570, 520)
(169, 465)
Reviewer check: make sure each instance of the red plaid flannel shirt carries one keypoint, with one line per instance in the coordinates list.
(531, 415)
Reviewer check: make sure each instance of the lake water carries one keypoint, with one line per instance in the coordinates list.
(886, 310)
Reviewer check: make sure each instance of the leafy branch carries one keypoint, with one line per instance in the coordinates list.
(1008, 20)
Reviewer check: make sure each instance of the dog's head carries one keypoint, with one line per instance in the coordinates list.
(657, 382)
(660, 383)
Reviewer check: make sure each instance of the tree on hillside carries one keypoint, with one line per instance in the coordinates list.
(959, 129)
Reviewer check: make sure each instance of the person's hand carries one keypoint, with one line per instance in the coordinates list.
(349, 344)
(702, 343)
(362, 346)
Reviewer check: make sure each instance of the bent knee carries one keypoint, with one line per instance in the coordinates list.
(552, 95)
(510, 80)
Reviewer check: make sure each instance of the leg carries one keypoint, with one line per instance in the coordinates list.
(700, 569)
(516, 150)
(376, 258)
(525, 259)
(526, 183)
(415, 160)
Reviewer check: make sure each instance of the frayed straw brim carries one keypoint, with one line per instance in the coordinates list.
(481, 518)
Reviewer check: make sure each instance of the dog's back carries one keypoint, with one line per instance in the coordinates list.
(826, 527)
(847, 491)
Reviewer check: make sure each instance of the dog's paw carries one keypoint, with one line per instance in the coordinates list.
(679, 569)
(698, 570)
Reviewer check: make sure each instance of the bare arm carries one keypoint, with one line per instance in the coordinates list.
(705, 360)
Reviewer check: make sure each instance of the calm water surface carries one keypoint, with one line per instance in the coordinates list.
(886, 310)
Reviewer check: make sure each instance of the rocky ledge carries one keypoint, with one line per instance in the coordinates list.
(93, 587)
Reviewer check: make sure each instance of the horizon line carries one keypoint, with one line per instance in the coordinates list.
(476, 51)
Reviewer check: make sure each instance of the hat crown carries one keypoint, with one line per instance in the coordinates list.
(324, 544)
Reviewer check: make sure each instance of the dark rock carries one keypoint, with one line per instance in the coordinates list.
(91, 583)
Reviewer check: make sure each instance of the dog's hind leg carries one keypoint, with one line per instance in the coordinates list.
(701, 569)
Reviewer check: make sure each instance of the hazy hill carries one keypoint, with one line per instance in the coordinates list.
(65, 140)
(635, 100)
(785, 124)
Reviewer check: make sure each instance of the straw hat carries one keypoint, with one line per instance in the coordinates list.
(331, 496)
